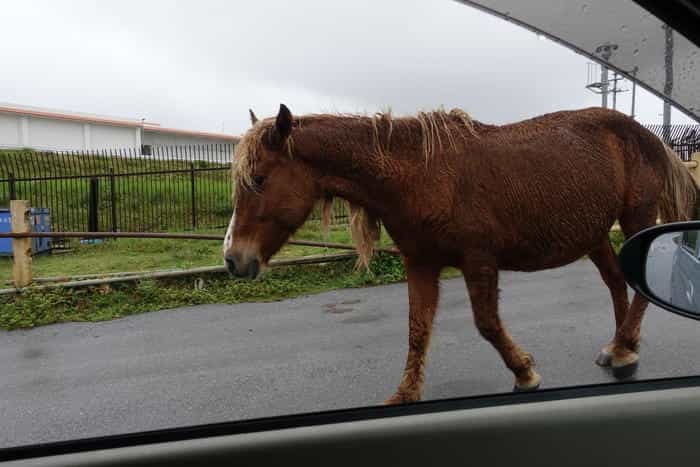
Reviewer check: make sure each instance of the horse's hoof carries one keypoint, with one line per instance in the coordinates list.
(399, 398)
(604, 359)
(625, 367)
(531, 385)
(517, 388)
(626, 371)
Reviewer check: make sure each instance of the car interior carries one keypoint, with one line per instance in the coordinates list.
(635, 423)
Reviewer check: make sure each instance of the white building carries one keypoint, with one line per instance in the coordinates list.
(54, 130)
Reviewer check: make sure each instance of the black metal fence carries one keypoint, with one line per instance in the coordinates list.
(684, 139)
(173, 188)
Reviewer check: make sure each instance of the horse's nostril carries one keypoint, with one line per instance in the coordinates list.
(241, 266)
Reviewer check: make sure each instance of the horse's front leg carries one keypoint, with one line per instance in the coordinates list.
(423, 290)
(482, 284)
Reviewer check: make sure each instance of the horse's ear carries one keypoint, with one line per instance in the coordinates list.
(283, 123)
(253, 118)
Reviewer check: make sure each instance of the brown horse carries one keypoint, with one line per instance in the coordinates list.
(452, 191)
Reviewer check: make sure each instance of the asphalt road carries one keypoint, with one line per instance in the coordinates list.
(339, 349)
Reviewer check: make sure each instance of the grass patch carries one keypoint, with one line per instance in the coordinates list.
(27, 162)
(109, 302)
(118, 300)
(617, 239)
(129, 254)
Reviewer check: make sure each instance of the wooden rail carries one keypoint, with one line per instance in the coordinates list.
(275, 263)
(22, 254)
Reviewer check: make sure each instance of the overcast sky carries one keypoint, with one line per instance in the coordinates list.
(201, 64)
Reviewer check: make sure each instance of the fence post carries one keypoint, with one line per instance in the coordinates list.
(695, 171)
(21, 247)
(13, 187)
(93, 201)
(113, 198)
(194, 201)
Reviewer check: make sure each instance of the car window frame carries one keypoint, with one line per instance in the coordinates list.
(365, 413)
(349, 415)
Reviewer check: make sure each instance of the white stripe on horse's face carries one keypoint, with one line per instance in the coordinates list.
(228, 239)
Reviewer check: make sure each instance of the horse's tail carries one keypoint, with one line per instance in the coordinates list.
(680, 194)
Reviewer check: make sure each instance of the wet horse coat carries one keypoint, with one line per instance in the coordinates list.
(451, 191)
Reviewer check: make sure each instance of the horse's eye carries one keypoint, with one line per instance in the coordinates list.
(258, 181)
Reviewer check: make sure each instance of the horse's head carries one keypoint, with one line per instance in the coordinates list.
(274, 193)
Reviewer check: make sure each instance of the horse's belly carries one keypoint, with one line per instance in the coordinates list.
(517, 261)
(549, 253)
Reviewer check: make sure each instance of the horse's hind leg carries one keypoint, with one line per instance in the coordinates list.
(482, 284)
(609, 267)
(625, 345)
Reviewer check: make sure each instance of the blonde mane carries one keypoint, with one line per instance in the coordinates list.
(246, 151)
(438, 128)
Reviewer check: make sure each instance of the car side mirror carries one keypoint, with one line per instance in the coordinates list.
(663, 264)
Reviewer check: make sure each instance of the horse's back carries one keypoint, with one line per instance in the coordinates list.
(552, 186)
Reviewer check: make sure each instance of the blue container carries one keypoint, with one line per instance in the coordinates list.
(41, 222)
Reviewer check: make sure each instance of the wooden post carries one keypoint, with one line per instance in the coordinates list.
(694, 167)
(21, 247)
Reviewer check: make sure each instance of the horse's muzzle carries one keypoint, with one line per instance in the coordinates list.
(240, 267)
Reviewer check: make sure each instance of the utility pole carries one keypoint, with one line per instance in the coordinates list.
(604, 86)
(634, 90)
(668, 84)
